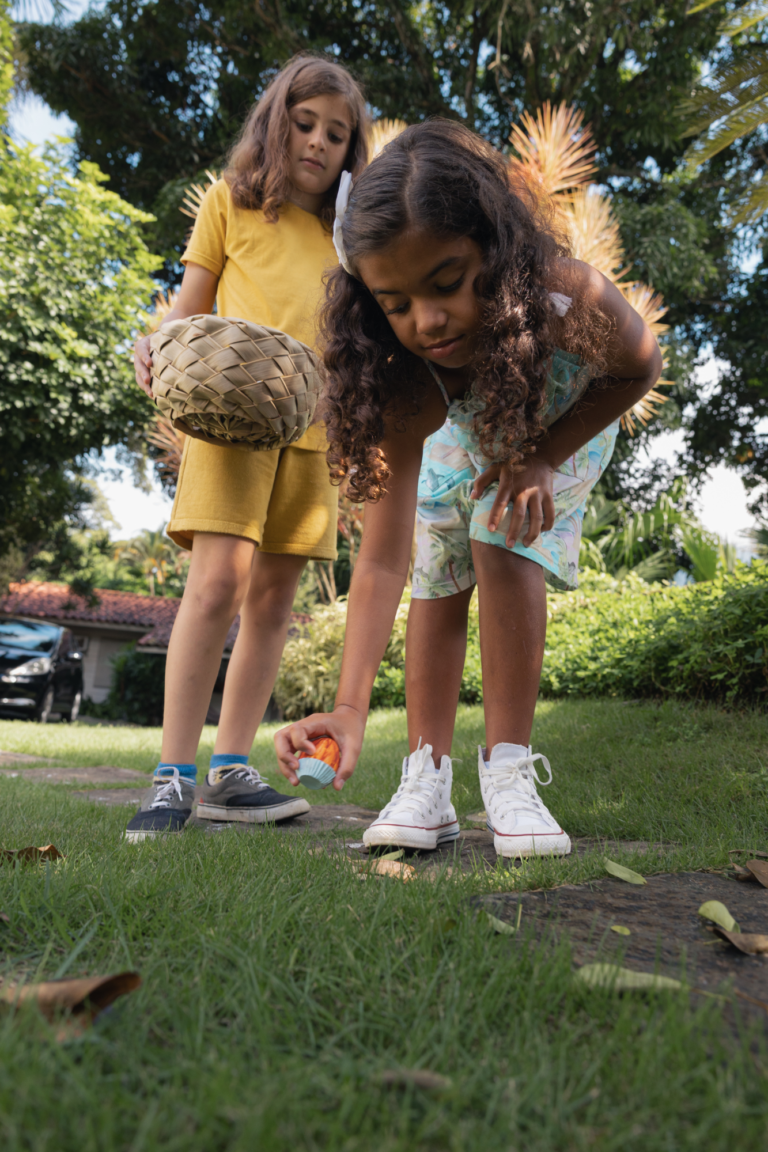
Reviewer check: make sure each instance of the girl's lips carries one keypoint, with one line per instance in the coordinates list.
(313, 164)
(447, 348)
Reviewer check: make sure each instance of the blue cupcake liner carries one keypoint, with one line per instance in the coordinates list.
(314, 773)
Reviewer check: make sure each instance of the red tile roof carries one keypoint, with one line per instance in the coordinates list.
(156, 614)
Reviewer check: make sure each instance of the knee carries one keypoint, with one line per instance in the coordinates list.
(271, 602)
(216, 594)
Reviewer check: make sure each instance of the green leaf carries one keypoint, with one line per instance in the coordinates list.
(718, 913)
(620, 930)
(618, 979)
(622, 873)
(392, 855)
(500, 926)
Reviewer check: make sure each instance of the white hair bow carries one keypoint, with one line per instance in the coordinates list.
(342, 200)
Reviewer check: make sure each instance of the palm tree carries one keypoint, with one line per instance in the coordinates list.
(153, 554)
(732, 102)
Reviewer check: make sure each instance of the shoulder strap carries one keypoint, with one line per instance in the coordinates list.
(439, 383)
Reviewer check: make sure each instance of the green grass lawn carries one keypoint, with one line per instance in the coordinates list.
(278, 986)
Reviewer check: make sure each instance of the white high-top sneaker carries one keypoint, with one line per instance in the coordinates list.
(420, 814)
(521, 823)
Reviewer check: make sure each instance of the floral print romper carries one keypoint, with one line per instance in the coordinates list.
(447, 519)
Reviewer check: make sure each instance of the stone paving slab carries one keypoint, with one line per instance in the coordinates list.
(666, 932)
(8, 759)
(102, 774)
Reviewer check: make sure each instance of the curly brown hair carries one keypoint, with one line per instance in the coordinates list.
(257, 167)
(440, 178)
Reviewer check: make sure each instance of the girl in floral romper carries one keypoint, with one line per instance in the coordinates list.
(476, 377)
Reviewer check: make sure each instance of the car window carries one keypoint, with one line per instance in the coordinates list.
(28, 634)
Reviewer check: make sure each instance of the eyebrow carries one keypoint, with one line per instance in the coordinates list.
(438, 268)
(309, 112)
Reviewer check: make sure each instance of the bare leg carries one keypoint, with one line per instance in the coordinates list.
(219, 576)
(435, 645)
(264, 619)
(513, 625)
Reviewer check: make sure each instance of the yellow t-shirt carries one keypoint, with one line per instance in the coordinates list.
(268, 273)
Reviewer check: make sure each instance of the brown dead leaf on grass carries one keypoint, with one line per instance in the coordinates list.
(5, 918)
(394, 868)
(418, 1077)
(80, 1000)
(750, 943)
(30, 855)
(759, 870)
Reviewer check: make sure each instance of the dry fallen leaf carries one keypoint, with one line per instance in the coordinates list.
(751, 943)
(48, 852)
(620, 929)
(419, 1077)
(741, 873)
(758, 869)
(620, 979)
(747, 852)
(718, 913)
(82, 998)
(622, 873)
(477, 818)
(394, 868)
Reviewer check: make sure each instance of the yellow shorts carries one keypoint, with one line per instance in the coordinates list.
(283, 500)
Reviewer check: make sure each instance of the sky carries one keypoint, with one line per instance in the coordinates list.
(722, 503)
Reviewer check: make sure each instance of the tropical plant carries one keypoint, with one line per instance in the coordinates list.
(554, 155)
(731, 101)
(155, 556)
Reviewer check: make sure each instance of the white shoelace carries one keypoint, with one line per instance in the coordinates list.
(515, 785)
(164, 795)
(415, 788)
(245, 773)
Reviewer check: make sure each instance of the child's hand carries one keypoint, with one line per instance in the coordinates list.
(529, 488)
(142, 365)
(347, 727)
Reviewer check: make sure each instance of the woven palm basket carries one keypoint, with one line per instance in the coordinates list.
(231, 382)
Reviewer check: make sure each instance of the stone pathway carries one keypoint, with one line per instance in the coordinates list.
(666, 934)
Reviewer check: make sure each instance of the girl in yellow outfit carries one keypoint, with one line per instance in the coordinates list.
(259, 249)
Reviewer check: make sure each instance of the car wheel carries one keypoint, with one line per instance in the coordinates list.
(43, 713)
(74, 711)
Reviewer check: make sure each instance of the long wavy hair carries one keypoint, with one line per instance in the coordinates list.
(257, 169)
(440, 178)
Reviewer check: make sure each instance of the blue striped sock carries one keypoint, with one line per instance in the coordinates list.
(188, 771)
(219, 759)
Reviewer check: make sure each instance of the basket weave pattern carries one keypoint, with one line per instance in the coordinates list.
(232, 382)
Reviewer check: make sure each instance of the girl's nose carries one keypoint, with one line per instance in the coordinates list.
(317, 139)
(430, 317)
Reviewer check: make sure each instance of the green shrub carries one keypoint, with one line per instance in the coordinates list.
(137, 693)
(610, 638)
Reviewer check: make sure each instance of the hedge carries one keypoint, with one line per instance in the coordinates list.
(706, 641)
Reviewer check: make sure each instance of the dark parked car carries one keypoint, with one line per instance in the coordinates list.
(41, 670)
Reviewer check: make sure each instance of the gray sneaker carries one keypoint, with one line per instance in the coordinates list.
(239, 793)
(166, 807)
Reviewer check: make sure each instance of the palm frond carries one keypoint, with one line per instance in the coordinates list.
(193, 195)
(164, 302)
(740, 122)
(753, 205)
(170, 443)
(647, 303)
(555, 150)
(593, 231)
(743, 18)
(382, 132)
(733, 83)
(646, 408)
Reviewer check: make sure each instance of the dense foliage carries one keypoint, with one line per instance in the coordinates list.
(137, 693)
(706, 641)
(74, 274)
(158, 90)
